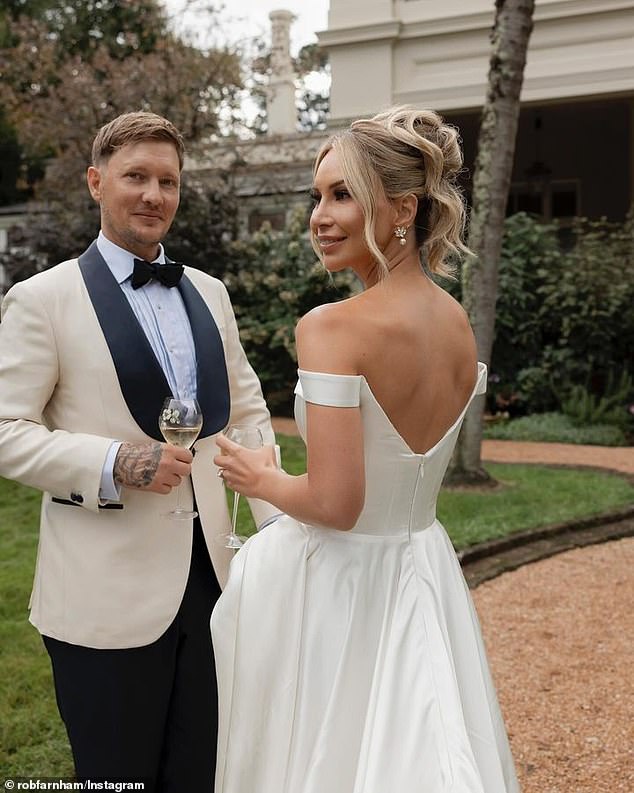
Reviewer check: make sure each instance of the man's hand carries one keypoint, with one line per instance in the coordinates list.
(156, 467)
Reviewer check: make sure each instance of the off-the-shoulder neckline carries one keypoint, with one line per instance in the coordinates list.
(481, 370)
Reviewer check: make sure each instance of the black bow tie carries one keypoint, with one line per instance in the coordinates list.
(167, 274)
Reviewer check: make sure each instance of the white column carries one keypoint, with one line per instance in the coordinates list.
(281, 111)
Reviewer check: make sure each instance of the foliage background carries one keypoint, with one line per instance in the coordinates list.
(564, 315)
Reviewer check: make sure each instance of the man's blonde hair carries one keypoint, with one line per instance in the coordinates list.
(134, 128)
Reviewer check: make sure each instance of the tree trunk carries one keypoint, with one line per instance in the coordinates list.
(491, 181)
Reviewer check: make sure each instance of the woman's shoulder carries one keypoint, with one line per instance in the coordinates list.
(444, 311)
(328, 317)
(326, 339)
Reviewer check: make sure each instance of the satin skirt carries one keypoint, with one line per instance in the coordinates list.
(352, 663)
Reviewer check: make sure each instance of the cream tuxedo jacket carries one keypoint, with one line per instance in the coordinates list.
(109, 576)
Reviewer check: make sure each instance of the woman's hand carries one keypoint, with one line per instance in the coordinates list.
(244, 470)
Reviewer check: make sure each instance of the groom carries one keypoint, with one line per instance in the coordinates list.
(88, 352)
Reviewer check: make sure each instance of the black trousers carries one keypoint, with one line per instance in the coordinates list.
(147, 713)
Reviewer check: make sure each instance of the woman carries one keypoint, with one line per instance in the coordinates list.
(348, 653)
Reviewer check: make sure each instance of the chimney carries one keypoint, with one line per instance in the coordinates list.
(281, 111)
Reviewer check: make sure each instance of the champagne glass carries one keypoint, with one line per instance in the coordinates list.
(180, 423)
(251, 438)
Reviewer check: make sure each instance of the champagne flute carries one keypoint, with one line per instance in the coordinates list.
(251, 438)
(180, 423)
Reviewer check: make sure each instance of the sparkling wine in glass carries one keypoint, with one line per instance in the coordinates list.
(251, 438)
(180, 423)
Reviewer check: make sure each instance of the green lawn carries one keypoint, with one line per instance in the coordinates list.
(530, 496)
(556, 428)
(32, 739)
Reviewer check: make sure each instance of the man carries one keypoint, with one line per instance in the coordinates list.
(123, 593)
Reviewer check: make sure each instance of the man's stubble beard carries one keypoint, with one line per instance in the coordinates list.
(127, 234)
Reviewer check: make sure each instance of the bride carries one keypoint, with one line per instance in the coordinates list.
(348, 652)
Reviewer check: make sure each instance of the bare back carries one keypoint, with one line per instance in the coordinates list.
(413, 343)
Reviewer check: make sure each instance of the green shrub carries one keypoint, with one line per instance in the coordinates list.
(586, 304)
(586, 408)
(564, 312)
(520, 335)
(555, 428)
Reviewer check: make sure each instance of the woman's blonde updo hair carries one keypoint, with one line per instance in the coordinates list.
(400, 151)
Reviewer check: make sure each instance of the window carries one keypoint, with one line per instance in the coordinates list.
(276, 218)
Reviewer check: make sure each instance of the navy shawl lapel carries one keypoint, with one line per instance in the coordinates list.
(211, 369)
(143, 383)
(141, 378)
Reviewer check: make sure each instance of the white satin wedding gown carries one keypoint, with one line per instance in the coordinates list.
(352, 662)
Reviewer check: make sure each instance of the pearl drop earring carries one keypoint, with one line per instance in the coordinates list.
(401, 233)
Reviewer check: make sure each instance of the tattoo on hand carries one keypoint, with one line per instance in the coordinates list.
(136, 466)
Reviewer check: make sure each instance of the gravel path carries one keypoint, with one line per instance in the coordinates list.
(617, 458)
(559, 637)
(614, 458)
